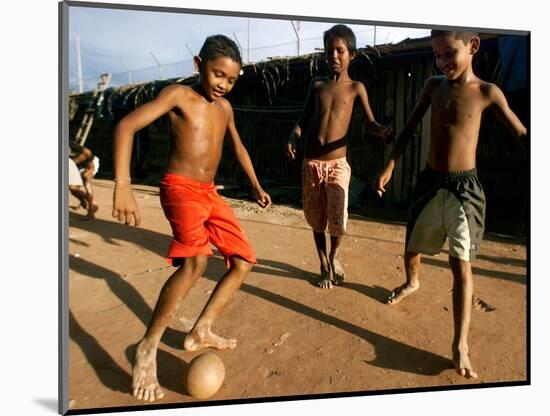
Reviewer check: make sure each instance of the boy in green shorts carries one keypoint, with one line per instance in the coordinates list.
(448, 200)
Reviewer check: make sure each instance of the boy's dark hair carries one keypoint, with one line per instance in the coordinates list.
(458, 35)
(341, 32)
(220, 45)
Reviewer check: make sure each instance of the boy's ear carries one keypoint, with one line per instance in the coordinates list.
(197, 62)
(474, 44)
(352, 55)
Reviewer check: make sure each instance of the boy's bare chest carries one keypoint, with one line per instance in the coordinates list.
(199, 120)
(457, 105)
(332, 99)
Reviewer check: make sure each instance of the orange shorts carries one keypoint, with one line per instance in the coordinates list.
(199, 216)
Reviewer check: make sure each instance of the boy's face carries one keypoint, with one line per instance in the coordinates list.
(452, 56)
(338, 55)
(218, 76)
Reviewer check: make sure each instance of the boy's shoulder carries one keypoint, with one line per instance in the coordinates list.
(186, 91)
(319, 81)
(358, 86)
(225, 104)
(175, 91)
(177, 88)
(435, 81)
(484, 86)
(488, 89)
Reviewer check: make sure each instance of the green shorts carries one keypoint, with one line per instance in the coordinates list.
(447, 204)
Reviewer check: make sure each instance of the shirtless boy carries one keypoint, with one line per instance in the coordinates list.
(448, 200)
(200, 119)
(323, 127)
(85, 164)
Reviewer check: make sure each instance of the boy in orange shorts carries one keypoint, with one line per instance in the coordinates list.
(200, 119)
(325, 172)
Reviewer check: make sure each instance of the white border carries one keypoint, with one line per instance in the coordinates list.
(29, 205)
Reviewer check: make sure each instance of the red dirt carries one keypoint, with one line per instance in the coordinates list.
(294, 338)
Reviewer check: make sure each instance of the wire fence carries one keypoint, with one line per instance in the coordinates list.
(186, 67)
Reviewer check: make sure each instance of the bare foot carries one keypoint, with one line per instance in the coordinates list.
(402, 292)
(83, 202)
(199, 339)
(145, 385)
(81, 196)
(462, 363)
(337, 271)
(92, 210)
(324, 282)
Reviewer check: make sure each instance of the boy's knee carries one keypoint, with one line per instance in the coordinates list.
(241, 265)
(201, 263)
(461, 268)
(197, 264)
(459, 263)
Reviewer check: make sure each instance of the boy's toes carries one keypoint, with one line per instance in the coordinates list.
(325, 282)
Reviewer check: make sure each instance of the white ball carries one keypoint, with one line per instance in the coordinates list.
(205, 375)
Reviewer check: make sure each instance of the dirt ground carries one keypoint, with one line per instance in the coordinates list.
(294, 338)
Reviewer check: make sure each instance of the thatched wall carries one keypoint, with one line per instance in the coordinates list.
(268, 99)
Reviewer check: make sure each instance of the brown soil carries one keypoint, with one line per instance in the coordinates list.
(294, 338)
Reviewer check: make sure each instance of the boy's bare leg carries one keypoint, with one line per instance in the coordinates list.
(80, 195)
(337, 270)
(412, 265)
(321, 245)
(462, 308)
(201, 336)
(145, 385)
(92, 205)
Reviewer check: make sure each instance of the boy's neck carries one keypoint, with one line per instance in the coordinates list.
(467, 76)
(197, 87)
(344, 76)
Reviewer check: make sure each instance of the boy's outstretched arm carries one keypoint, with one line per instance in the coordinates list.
(292, 140)
(405, 135)
(499, 106)
(304, 118)
(373, 127)
(262, 197)
(124, 204)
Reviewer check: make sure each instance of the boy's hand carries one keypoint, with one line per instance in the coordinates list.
(89, 171)
(124, 205)
(291, 150)
(381, 180)
(262, 197)
(386, 134)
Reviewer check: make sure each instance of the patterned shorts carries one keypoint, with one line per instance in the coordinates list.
(325, 186)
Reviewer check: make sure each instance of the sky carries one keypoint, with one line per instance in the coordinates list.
(130, 44)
